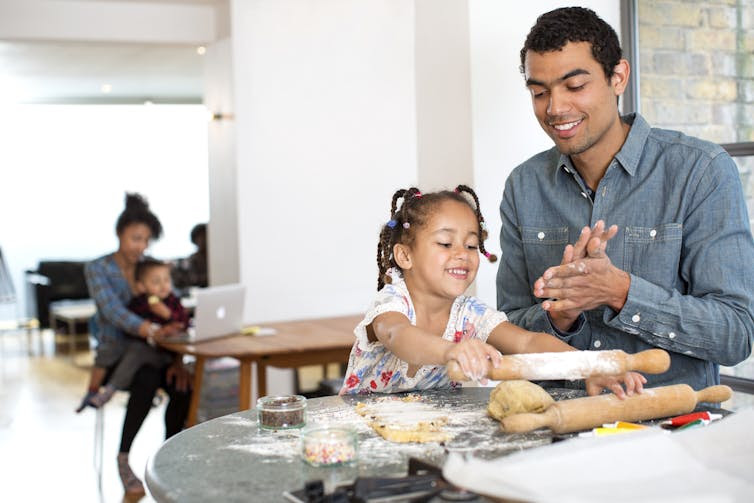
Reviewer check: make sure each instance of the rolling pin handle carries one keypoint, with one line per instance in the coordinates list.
(651, 361)
(455, 372)
(714, 394)
(528, 421)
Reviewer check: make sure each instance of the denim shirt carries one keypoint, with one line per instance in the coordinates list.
(111, 294)
(683, 236)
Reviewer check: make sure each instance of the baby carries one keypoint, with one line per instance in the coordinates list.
(157, 303)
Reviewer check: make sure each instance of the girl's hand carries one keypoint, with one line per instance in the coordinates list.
(474, 357)
(633, 382)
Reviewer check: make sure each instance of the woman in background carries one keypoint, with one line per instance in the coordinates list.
(112, 284)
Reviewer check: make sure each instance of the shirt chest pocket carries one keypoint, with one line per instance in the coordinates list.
(543, 248)
(653, 253)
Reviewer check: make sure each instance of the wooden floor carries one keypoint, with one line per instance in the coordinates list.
(46, 450)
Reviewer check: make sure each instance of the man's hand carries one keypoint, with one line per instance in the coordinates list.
(177, 373)
(633, 381)
(586, 278)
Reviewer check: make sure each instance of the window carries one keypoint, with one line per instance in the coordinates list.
(693, 64)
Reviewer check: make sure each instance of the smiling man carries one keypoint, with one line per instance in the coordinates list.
(675, 267)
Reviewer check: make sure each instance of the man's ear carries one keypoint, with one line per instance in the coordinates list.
(619, 80)
(402, 256)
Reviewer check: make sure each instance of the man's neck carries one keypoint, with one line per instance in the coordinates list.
(593, 163)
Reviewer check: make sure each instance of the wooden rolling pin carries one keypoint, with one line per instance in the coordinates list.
(571, 365)
(589, 412)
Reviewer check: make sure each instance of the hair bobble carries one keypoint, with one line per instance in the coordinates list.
(418, 194)
(392, 223)
(406, 225)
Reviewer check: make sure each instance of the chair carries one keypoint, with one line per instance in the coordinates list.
(16, 322)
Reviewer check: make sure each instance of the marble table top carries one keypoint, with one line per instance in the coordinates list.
(231, 459)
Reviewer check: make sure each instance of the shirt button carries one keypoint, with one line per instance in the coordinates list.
(636, 318)
(597, 344)
(541, 235)
(652, 233)
(584, 194)
(671, 335)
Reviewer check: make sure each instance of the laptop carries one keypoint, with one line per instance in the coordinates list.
(218, 313)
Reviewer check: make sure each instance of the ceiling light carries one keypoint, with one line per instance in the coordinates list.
(106, 88)
(201, 50)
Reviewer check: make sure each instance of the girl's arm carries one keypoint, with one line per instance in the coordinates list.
(419, 347)
(512, 339)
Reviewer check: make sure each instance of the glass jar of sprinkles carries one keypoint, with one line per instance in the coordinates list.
(281, 412)
(329, 446)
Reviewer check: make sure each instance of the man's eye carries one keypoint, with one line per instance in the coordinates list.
(576, 88)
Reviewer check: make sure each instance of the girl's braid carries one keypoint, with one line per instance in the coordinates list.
(392, 233)
(480, 219)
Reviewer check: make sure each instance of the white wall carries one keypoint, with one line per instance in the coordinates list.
(223, 235)
(443, 94)
(155, 21)
(326, 133)
(65, 171)
(505, 132)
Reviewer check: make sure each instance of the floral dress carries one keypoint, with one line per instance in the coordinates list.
(373, 368)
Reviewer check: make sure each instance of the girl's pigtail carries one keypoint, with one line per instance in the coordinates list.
(480, 219)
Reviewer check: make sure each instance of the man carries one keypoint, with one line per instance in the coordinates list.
(676, 268)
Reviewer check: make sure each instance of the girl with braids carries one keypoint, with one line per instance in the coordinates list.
(428, 255)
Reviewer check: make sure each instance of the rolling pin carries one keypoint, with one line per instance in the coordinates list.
(589, 412)
(570, 365)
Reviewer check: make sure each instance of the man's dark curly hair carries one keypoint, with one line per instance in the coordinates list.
(554, 29)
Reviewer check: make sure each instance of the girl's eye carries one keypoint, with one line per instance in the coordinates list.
(445, 245)
(472, 247)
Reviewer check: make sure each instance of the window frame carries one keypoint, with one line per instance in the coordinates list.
(629, 11)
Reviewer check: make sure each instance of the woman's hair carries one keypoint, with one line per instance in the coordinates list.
(137, 212)
(554, 29)
(414, 212)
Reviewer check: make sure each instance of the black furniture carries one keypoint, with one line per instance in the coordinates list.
(54, 281)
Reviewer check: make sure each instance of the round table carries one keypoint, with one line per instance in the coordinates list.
(231, 459)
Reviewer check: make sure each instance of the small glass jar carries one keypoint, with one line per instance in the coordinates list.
(281, 412)
(329, 446)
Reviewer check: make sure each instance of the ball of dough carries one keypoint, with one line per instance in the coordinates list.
(516, 397)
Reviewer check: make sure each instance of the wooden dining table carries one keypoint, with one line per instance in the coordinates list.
(293, 344)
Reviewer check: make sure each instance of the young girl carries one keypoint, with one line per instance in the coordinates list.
(428, 255)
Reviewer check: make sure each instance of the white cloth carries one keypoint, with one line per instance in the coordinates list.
(709, 464)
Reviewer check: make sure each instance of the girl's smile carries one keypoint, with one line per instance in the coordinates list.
(443, 260)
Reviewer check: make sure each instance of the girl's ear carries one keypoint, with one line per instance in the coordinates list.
(140, 287)
(402, 256)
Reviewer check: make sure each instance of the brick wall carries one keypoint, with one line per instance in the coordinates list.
(697, 71)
